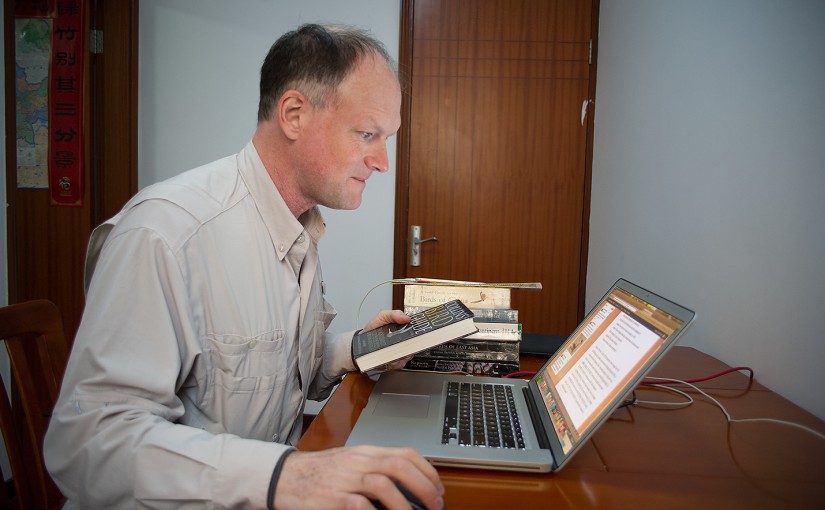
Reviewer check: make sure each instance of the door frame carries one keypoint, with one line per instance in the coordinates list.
(46, 245)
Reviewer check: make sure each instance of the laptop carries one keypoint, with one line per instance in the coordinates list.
(556, 411)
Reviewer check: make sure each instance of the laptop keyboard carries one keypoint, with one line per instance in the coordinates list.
(481, 414)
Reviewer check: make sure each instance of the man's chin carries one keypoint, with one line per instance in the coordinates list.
(346, 204)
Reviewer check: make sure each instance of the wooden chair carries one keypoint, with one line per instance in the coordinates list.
(38, 351)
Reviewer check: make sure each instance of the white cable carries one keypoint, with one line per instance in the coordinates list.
(397, 281)
(686, 403)
(742, 420)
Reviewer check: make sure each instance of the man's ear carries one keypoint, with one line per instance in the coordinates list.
(293, 109)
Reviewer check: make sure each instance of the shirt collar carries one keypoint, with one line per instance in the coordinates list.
(284, 229)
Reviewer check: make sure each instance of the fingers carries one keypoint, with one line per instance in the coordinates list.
(387, 317)
(411, 470)
(381, 488)
(348, 477)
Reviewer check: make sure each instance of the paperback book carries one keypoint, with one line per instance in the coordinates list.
(473, 350)
(472, 297)
(481, 314)
(497, 331)
(477, 367)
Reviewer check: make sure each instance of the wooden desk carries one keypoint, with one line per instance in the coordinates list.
(646, 457)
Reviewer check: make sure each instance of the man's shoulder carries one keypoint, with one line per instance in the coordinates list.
(204, 190)
(178, 206)
(201, 192)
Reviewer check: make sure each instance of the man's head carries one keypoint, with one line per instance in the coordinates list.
(314, 59)
(330, 98)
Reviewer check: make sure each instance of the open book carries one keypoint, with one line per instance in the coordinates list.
(426, 329)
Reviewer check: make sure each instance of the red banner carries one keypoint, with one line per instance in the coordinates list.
(66, 79)
(34, 8)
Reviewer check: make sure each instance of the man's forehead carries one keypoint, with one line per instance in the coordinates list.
(374, 90)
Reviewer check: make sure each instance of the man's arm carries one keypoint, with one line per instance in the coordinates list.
(113, 439)
(345, 477)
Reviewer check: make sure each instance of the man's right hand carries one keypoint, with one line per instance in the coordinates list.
(347, 478)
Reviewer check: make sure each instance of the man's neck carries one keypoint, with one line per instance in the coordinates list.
(284, 181)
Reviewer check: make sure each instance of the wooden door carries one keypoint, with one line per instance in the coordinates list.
(494, 150)
(47, 244)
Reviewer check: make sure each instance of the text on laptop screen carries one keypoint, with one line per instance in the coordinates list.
(621, 334)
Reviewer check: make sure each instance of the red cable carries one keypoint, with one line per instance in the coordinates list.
(714, 376)
(518, 374)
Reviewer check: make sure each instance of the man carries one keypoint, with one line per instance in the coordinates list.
(204, 330)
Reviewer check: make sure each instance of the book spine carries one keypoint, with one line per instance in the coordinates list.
(465, 349)
(481, 314)
(490, 368)
(472, 297)
(497, 331)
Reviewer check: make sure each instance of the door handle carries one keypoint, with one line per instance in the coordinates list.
(415, 240)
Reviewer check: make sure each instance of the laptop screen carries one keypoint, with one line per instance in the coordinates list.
(587, 374)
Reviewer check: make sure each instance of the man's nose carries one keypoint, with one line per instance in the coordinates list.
(377, 158)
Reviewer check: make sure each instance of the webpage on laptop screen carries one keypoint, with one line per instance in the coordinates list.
(621, 334)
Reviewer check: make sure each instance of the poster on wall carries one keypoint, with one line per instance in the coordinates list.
(49, 73)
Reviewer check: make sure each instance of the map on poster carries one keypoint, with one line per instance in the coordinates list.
(32, 43)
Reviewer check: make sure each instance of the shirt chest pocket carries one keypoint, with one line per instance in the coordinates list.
(246, 364)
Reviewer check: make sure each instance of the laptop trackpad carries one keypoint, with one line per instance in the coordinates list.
(402, 405)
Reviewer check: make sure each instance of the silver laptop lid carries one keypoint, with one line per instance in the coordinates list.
(605, 358)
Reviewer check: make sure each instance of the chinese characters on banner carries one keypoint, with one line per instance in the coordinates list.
(65, 78)
(34, 8)
(66, 105)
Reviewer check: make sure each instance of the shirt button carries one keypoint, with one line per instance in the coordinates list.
(301, 238)
(252, 344)
(281, 247)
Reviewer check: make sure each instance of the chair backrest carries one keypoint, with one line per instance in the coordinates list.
(38, 351)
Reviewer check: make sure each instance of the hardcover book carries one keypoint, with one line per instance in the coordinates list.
(391, 342)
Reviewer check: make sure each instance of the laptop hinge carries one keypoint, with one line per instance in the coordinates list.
(538, 426)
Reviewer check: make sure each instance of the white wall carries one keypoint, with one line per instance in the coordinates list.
(707, 163)
(709, 173)
(709, 151)
(198, 97)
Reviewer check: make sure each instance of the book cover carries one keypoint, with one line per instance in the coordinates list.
(434, 326)
(472, 297)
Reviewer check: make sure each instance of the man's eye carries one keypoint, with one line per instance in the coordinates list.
(365, 135)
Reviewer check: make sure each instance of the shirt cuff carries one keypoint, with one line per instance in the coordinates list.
(352, 349)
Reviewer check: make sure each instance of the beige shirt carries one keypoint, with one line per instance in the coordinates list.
(203, 334)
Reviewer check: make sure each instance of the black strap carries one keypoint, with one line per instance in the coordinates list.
(273, 482)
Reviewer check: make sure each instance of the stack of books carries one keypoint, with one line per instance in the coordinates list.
(494, 350)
